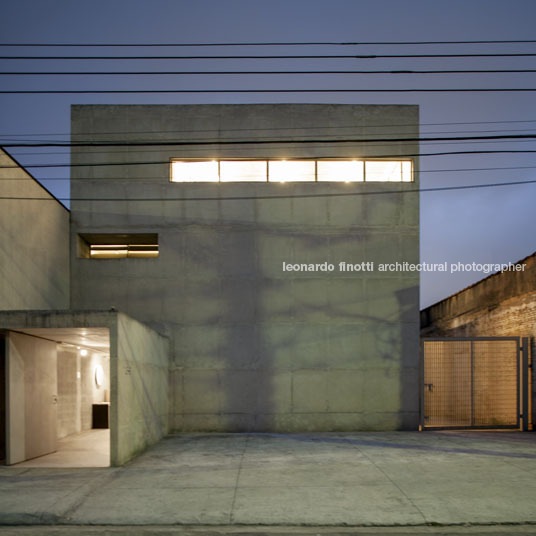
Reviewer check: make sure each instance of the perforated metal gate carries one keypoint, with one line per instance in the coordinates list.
(474, 383)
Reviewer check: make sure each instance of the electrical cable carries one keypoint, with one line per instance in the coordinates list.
(271, 43)
(181, 143)
(364, 157)
(117, 152)
(244, 129)
(190, 91)
(166, 73)
(280, 57)
(152, 178)
(265, 197)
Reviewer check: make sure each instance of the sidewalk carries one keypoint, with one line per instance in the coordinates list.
(361, 479)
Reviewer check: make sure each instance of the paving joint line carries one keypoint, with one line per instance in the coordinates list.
(231, 512)
(91, 486)
(394, 484)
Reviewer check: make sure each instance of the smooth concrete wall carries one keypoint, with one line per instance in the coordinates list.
(34, 244)
(31, 397)
(141, 395)
(253, 347)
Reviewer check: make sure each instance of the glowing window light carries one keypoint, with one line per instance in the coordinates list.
(383, 171)
(101, 252)
(112, 251)
(195, 171)
(291, 171)
(340, 170)
(406, 171)
(243, 171)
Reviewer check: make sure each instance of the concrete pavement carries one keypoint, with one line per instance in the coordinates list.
(359, 479)
(157, 530)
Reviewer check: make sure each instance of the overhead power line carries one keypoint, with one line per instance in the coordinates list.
(199, 150)
(266, 197)
(183, 73)
(364, 157)
(180, 143)
(150, 178)
(129, 91)
(271, 43)
(279, 56)
(6, 141)
(263, 129)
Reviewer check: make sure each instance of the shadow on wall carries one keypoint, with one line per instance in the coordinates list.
(259, 349)
(313, 350)
(408, 299)
(24, 284)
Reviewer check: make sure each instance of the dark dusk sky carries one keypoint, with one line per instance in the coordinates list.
(483, 225)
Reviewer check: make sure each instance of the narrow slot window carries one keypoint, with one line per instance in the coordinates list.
(292, 171)
(118, 246)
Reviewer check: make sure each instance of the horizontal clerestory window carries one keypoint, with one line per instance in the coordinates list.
(118, 246)
(291, 170)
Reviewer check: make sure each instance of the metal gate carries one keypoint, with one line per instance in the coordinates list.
(479, 382)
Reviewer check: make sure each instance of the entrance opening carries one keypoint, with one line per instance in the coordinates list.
(61, 416)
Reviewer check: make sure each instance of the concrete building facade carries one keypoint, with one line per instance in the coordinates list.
(254, 346)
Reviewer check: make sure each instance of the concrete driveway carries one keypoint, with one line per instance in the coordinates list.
(358, 479)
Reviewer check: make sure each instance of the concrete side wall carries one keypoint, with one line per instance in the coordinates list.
(140, 397)
(501, 305)
(34, 246)
(254, 347)
(31, 395)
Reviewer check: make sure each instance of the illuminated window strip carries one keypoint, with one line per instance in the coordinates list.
(121, 251)
(405, 171)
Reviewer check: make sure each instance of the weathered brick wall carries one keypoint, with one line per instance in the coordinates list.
(501, 305)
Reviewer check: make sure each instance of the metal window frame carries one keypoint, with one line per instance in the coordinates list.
(304, 159)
